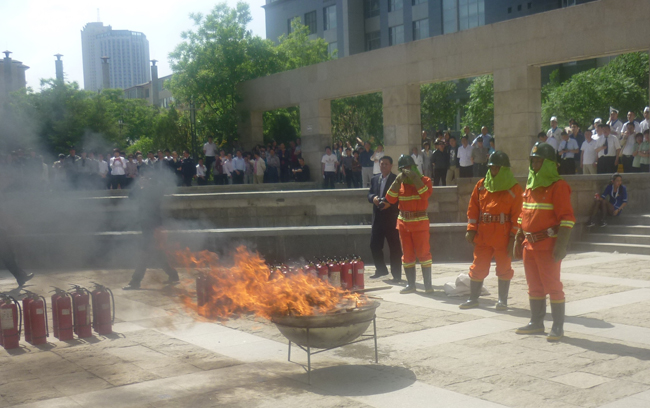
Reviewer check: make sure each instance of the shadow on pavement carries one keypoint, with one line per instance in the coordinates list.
(360, 380)
(589, 322)
(616, 349)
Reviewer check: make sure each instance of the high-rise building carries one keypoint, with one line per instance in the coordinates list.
(354, 26)
(127, 52)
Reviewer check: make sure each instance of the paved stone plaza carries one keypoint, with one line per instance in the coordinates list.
(430, 352)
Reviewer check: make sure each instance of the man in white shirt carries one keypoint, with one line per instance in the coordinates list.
(568, 149)
(627, 141)
(589, 155)
(554, 134)
(328, 168)
(376, 158)
(631, 118)
(118, 170)
(486, 137)
(465, 158)
(417, 157)
(645, 123)
(611, 149)
(210, 152)
(201, 171)
(615, 125)
(227, 167)
(238, 168)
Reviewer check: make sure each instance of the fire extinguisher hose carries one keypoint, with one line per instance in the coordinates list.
(47, 329)
(113, 302)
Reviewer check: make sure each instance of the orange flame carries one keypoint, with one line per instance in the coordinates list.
(251, 287)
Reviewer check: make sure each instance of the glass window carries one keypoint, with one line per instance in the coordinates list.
(329, 17)
(333, 49)
(420, 29)
(396, 35)
(449, 16)
(310, 21)
(463, 14)
(373, 40)
(371, 8)
(395, 5)
(414, 2)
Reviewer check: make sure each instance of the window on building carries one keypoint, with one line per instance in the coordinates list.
(509, 10)
(373, 40)
(414, 2)
(329, 17)
(371, 8)
(567, 3)
(396, 35)
(395, 5)
(310, 21)
(333, 49)
(519, 7)
(530, 5)
(462, 14)
(420, 29)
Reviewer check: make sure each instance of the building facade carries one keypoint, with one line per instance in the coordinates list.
(127, 52)
(354, 26)
(145, 91)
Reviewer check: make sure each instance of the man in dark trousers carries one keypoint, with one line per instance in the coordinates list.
(149, 194)
(384, 222)
(7, 256)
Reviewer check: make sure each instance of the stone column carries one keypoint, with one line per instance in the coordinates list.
(517, 113)
(402, 128)
(250, 129)
(315, 133)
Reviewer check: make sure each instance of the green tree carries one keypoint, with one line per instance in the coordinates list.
(479, 111)
(282, 125)
(438, 107)
(358, 116)
(296, 50)
(622, 84)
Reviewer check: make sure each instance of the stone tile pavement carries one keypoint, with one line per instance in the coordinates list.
(430, 352)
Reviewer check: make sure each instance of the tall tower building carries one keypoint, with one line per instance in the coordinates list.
(128, 53)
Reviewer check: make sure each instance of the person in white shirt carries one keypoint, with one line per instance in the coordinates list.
(631, 118)
(589, 155)
(201, 173)
(227, 167)
(554, 134)
(417, 157)
(627, 143)
(486, 137)
(376, 158)
(611, 149)
(615, 125)
(645, 123)
(568, 149)
(465, 158)
(210, 152)
(328, 168)
(118, 170)
(259, 167)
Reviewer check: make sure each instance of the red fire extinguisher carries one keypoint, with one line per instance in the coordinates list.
(36, 319)
(335, 273)
(11, 322)
(323, 270)
(81, 311)
(346, 274)
(310, 269)
(103, 313)
(28, 328)
(358, 270)
(62, 315)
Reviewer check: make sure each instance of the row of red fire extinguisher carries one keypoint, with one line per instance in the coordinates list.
(346, 273)
(78, 311)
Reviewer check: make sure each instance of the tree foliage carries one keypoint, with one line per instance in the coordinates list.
(622, 84)
(438, 108)
(358, 116)
(479, 111)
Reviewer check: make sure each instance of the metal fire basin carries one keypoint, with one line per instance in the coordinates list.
(328, 331)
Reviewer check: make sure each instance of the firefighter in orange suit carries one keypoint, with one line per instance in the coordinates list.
(546, 222)
(493, 215)
(413, 190)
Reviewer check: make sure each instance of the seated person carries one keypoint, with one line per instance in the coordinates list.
(611, 202)
(301, 173)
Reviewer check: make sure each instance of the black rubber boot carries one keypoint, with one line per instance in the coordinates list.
(504, 288)
(537, 313)
(426, 276)
(557, 331)
(410, 279)
(132, 286)
(475, 291)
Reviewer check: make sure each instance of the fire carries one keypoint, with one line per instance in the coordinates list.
(249, 286)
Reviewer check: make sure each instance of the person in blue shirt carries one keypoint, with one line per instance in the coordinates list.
(610, 203)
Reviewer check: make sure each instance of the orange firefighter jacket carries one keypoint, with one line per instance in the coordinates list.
(412, 200)
(506, 202)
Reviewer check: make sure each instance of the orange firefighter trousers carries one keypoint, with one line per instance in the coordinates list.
(542, 274)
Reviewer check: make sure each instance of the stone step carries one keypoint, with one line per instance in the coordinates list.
(622, 229)
(630, 219)
(610, 247)
(605, 237)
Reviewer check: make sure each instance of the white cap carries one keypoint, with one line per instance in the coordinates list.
(647, 109)
(598, 120)
(553, 118)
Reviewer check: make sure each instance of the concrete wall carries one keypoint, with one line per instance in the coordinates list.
(512, 50)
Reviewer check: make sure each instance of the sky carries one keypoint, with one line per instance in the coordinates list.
(35, 30)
